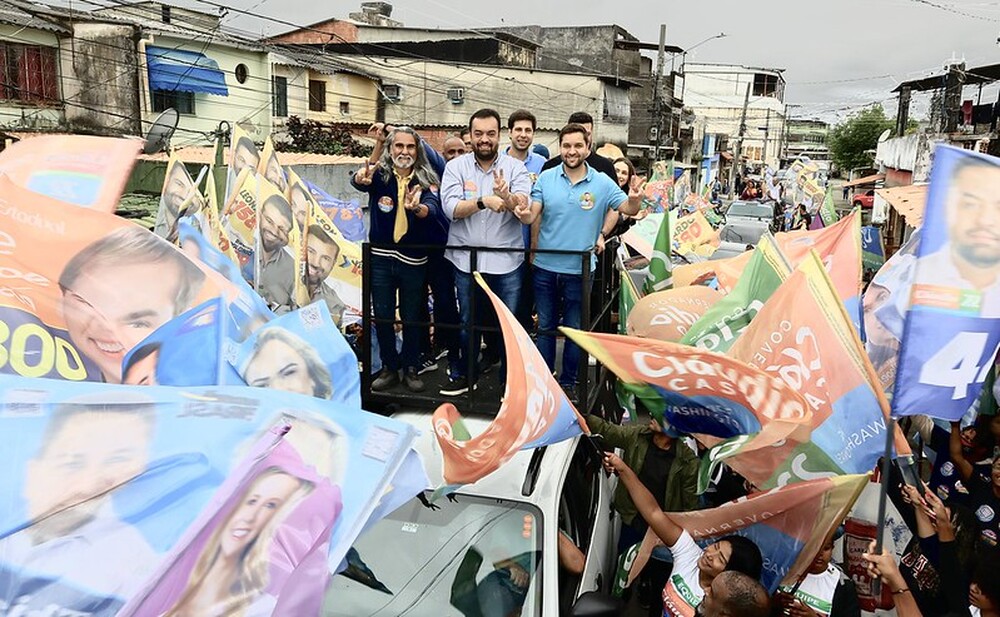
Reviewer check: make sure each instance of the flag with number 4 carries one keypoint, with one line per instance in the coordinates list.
(952, 329)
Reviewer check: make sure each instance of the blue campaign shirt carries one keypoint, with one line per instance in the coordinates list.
(533, 164)
(572, 215)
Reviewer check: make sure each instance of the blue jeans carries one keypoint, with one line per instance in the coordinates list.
(508, 288)
(441, 278)
(389, 276)
(558, 300)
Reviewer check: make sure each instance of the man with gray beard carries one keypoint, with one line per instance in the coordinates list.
(402, 202)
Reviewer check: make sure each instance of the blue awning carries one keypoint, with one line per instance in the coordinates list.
(184, 71)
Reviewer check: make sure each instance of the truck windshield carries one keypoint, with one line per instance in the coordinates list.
(750, 210)
(467, 557)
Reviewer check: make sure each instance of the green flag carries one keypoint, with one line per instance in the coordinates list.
(660, 275)
(628, 295)
(827, 212)
(719, 328)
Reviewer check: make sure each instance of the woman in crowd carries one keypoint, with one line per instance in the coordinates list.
(802, 219)
(824, 592)
(625, 171)
(694, 568)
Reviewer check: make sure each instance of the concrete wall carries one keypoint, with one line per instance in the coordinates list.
(334, 179)
(28, 115)
(100, 79)
(248, 104)
(552, 97)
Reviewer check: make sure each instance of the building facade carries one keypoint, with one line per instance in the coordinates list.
(716, 94)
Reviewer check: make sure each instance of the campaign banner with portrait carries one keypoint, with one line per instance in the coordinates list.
(535, 411)
(331, 263)
(239, 221)
(185, 351)
(247, 310)
(723, 323)
(789, 525)
(270, 167)
(708, 395)
(179, 197)
(346, 215)
(112, 490)
(802, 336)
(692, 231)
(277, 249)
(243, 157)
(80, 288)
(885, 304)
(82, 170)
(210, 224)
(952, 329)
(300, 352)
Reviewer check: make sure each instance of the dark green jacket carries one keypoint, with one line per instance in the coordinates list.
(635, 440)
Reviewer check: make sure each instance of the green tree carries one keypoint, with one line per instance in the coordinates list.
(851, 140)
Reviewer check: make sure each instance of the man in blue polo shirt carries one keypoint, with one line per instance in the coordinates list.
(573, 201)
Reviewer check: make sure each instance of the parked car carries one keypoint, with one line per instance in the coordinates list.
(436, 560)
(866, 200)
(747, 221)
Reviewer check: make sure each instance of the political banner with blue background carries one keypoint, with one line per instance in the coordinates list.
(872, 248)
(952, 328)
(108, 490)
(303, 352)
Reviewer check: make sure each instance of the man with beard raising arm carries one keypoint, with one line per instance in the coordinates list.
(402, 200)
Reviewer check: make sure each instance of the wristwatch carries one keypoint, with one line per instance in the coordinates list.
(480, 204)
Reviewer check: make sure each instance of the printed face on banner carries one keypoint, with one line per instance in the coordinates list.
(953, 326)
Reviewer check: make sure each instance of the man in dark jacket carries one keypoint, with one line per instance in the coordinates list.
(668, 468)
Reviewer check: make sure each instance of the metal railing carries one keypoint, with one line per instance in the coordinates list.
(593, 389)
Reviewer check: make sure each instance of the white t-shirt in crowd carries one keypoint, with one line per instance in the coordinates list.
(683, 591)
(816, 590)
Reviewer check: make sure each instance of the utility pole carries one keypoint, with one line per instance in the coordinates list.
(767, 127)
(739, 142)
(658, 95)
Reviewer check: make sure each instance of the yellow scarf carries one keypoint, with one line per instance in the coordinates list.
(401, 225)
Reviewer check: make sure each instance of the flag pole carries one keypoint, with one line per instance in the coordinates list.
(884, 482)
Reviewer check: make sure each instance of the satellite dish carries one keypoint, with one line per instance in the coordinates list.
(158, 137)
(885, 135)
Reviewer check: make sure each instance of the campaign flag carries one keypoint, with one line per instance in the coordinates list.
(209, 223)
(658, 191)
(185, 351)
(628, 294)
(952, 329)
(872, 249)
(247, 310)
(82, 170)
(331, 263)
(270, 168)
(82, 287)
(708, 395)
(691, 232)
(243, 158)
(722, 324)
(158, 466)
(239, 221)
(346, 215)
(534, 412)
(179, 197)
(789, 525)
(667, 315)
(277, 248)
(642, 235)
(659, 276)
(802, 336)
(839, 247)
(885, 304)
(300, 352)
(828, 212)
(300, 507)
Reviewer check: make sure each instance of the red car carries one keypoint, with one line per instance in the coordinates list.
(866, 200)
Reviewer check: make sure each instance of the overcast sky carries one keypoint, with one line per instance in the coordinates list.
(837, 54)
